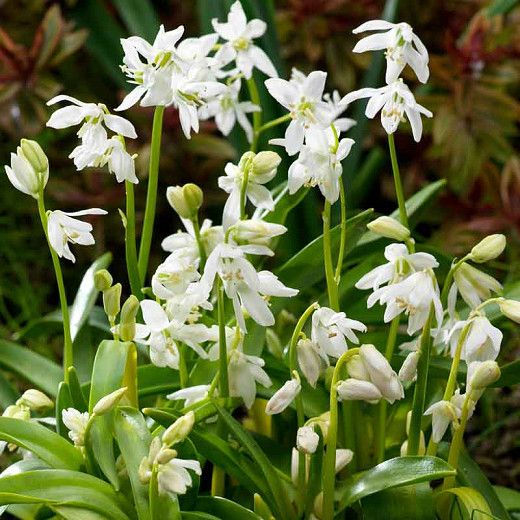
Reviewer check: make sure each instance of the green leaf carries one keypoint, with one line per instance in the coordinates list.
(472, 504)
(30, 366)
(140, 17)
(76, 513)
(509, 497)
(62, 487)
(86, 295)
(153, 380)
(45, 444)
(509, 375)
(306, 267)
(470, 475)
(284, 203)
(197, 515)
(8, 394)
(402, 503)
(134, 441)
(225, 509)
(400, 471)
(282, 507)
(76, 393)
(63, 401)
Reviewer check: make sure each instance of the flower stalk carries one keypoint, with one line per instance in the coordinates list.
(130, 243)
(257, 116)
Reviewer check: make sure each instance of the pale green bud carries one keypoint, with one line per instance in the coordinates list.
(511, 309)
(107, 403)
(144, 472)
(35, 400)
(185, 200)
(17, 412)
(165, 455)
(193, 196)
(36, 156)
(179, 430)
(307, 440)
(246, 160)
(488, 249)
(102, 280)
(127, 320)
(389, 228)
(261, 508)
(483, 374)
(112, 300)
(265, 162)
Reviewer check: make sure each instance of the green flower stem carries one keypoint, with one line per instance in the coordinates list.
(449, 278)
(419, 395)
(397, 180)
(349, 434)
(183, 370)
(274, 122)
(243, 194)
(200, 243)
(343, 240)
(380, 428)
(329, 473)
(130, 245)
(151, 195)
(257, 116)
(67, 339)
(332, 288)
(456, 444)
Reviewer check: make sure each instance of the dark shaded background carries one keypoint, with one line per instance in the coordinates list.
(72, 47)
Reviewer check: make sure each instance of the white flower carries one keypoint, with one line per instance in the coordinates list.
(190, 395)
(173, 276)
(343, 458)
(227, 109)
(331, 329)
(400, 264)
(443, 413)
(239, 33)
(186, 306)
(119, 161)
(174, 479)
(303, 99)
(474, 285)
(283, 397)
(318, 164)
(232, 183)
(394, 100)
(307, 440)
(355, 390)
(244, 372)
(256, 231)
(413, 296)
(76, 422)
(402, 47)
(62, 229)
(242, 283)
(482, 341)
(310, 360)
(408, 371)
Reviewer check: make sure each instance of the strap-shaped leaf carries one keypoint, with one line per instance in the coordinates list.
(473, 505)
(45, 444)
(62, 487)
(400, 471)
(225, 509)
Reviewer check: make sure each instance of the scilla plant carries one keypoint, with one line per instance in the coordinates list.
(257, 396)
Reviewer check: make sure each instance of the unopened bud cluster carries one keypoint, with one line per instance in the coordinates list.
(185, 200)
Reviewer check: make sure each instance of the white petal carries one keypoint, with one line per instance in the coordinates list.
(120, 125)
(154, 316)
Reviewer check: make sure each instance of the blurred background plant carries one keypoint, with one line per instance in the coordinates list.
(73, 47)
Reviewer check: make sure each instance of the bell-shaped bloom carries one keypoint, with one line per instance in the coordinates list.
(413, 296)
(330, 330)
(256, 231)
(474, 285)
(76, 422)
(307, 440)
(443, 414)
(227, 109)
(119, 161)
(482, 341)
(408, 371)
(173, 477)
(239, 47)
(173, 276)
(402, 47)
(400, 264)
(62, 228)
(304, 100)
(395, 101)
(355, 390)
(283, 397)
(311, 360)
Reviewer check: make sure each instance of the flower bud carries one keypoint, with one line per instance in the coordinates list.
(377, 365)
(308, 360)
(179, 430)
(107, 403)
(35, 400)
(283, 398)
(408, 371)
(261, 508)
(185, 200)
(389, 228)
(357, 369)
(421, 449)
(323, 421)
(489, 248)
(29, 170)
(354, 390)
(265, 162)
(474, 285)
(343, 457)
(165, 455)
(112, 301)
(145, 472)
(510, 309)
(318, 505)
(127, 321)
(482, 374)
(17, 412)
(307, 440)
(102, 280)
(256, 231)
(246, 160)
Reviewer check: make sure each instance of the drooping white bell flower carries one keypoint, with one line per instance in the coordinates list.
(408, 371)
(227, 109)
(239, 35)
(443, 414)
(311, 359)
(173, 276)
(474, 285)
(307, 440)
(400, 265)
(119, 161)
(355, 390)
(173, 477)
(256, 231)
(190, 395)
(402, 46)
(186, 306)
(482, 341)
(395, 101)
(283, 397)
(62, 228)
(244, 372)
(413, 296)
(331, 329)
(76, 422)
(319, 164)
(304, 100)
